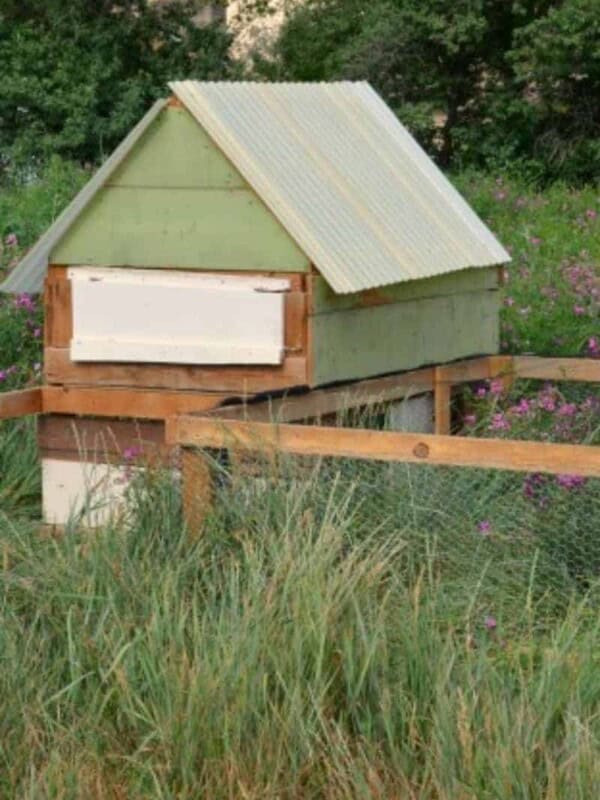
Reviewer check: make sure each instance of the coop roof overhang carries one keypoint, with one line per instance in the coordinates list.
(345, 178)
(337, 169)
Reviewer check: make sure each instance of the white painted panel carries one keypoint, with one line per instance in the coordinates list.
(154, 316)
(92, 494)
(412, 415)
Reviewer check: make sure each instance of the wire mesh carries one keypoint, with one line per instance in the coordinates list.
(503, 531)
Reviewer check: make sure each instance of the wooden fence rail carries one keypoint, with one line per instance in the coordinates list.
(21, 404)
(460, 451)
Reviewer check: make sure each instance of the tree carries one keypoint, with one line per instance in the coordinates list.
(557, 62)
(77, 75)
(480, 82)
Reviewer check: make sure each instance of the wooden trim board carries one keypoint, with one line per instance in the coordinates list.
(584, 370)
(21, 404)
(71, 437)
(321, 402)
(236, 381)
(125, 402)
(434, 449)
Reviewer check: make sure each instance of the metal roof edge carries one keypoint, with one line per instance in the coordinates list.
(28, 275)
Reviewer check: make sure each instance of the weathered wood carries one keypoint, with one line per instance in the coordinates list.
(385, 446)
(295, 322)
(58, 323)
(322, 402)
(21, 404)
(235, 381)
(208, 229)
(392, 338)
(69, 437)
(197, 490)
(325, 300)
(475, 369)
(176, 152)
(125, 402)
(586, 370)
(442, 398)
(158, 316)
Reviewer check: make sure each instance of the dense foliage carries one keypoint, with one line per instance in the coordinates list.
(77, 75)
(480, 82)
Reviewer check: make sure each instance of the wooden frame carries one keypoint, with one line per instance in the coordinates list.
(60, 369)
(21, 404)
(413, 448)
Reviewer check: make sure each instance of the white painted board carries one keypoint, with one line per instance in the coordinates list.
(160, 316)
(91, 494)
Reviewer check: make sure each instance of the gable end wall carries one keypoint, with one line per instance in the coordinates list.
(177, 202)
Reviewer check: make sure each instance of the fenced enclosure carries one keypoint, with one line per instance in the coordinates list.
(470, 525)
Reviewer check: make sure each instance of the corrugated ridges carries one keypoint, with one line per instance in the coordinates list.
(345, 178)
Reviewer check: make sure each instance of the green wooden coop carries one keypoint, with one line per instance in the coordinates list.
(249, 238)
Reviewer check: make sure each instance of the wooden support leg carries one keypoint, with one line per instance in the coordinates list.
(197, 489)
(442, 399)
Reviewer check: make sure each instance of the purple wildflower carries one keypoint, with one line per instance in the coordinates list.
(12, 240)
(499, 422)
(485, 527)
(491, 623)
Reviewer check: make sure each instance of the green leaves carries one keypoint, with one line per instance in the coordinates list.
(479, 82)
(78, 75)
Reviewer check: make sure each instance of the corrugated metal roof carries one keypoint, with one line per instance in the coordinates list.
(29, 275)
(345, 178)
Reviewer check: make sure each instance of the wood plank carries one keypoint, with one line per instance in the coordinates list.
(21, 403)
(322, 402)
(235, 381)
(326, 301)
(206, 229)
(366, 342)
(586, 370)
(58, 328)
(176, 152)
(385, 446)
(72, 436)
(158, 316)
(475, 369)
(442, 398)
(295, 322)
(125, 402)
(197, 490)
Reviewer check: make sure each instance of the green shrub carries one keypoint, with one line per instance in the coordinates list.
(77, 75)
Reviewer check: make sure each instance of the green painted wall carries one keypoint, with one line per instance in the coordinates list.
(178, 202)
(358, 343)
(467, 280)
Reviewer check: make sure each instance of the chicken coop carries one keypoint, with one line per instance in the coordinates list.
(247, 239)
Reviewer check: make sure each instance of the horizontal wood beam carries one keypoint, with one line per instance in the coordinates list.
(584, 370)
(385, 446)
(321, 402)
(21, 404)
(132, 403)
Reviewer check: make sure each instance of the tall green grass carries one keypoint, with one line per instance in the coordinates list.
(291, 650)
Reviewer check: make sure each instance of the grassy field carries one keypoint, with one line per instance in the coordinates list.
(343, 632)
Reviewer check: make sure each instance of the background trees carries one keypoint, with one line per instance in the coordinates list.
(77, 75)
(480, 82)
(493, 84)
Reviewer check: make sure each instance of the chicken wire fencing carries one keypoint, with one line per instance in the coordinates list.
(497, 530)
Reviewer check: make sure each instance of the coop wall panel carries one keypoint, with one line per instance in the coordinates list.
(402, 336)
(177, 201)
(153, 316)
(77, 491)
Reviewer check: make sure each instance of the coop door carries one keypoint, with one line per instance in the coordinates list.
(155, 316)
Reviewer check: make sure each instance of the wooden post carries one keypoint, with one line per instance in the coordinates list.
(197, 489)
(442, 399)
